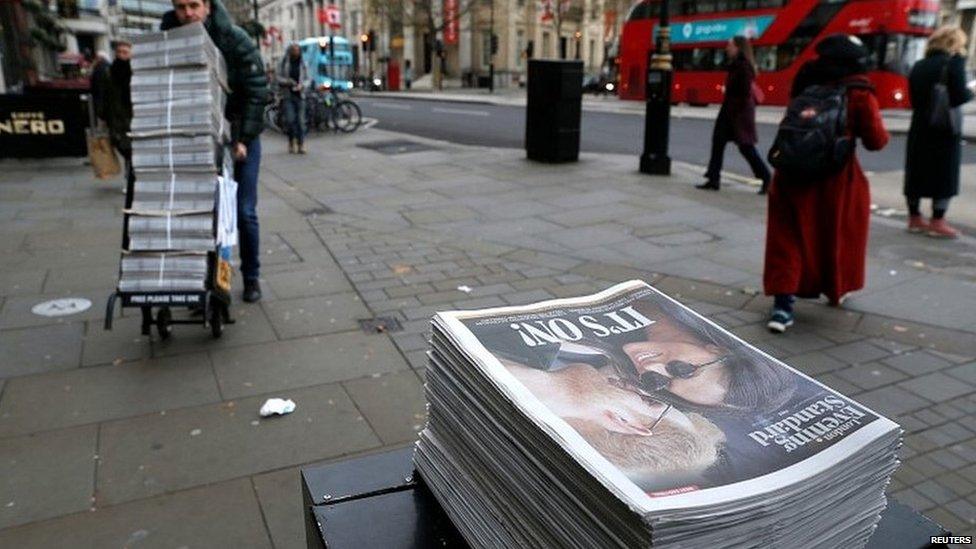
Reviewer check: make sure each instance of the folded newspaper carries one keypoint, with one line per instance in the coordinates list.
(185, 46)
(144, 272)
(624, 419)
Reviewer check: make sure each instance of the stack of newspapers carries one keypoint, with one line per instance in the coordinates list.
(624, 419)
(179, 135)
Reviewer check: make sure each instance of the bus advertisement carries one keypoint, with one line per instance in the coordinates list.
(328, 63)
(784, 34)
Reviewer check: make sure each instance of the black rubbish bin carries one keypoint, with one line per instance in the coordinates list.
(552, 123)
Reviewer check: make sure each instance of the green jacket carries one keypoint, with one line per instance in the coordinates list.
(245, 71)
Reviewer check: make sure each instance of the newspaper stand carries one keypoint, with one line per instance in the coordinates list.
(379, 501)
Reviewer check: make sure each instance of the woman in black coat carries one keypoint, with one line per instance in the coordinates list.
(736, 120)
(933, 157)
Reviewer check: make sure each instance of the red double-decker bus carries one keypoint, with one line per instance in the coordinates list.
(784, 33)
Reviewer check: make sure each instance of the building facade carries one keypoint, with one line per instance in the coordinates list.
(287, 21)
(419, 32)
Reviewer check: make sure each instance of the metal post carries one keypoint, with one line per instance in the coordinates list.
(655, 160)
(491, 49)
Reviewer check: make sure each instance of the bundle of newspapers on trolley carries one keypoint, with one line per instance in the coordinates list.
(625, 419)
(181, 214)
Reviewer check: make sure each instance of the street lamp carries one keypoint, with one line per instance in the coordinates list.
(578, 38)
(657, 88)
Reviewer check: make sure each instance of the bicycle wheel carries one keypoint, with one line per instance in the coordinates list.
(348, 116)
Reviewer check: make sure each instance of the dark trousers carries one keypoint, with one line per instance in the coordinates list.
(246, 175)
(294, 106)
(722, 134)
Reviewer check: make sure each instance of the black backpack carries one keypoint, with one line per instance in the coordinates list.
(813, 141)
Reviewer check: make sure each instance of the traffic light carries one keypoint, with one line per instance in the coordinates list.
(494, 44)
(371, 41)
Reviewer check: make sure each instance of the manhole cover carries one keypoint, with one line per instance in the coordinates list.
(380, 325)
(396, 146)
(62, 307)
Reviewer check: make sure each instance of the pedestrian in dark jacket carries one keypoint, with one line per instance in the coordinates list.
(737, 118)
(934, 155)
(116, 106)
(817, 231)
(245, 111)
(292, 81)
(98, 82)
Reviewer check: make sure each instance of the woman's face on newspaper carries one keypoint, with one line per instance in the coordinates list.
(702, 385)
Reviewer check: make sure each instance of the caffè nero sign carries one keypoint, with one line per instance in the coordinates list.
(31, 123)
(42, 125)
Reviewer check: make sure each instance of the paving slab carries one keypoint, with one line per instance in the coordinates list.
(926, 300)
(187, 447)
(937, 387)
(123, 343)
(21, 282)
(46, 475)
(258, 369)
(319, 315)
(30, 350)
(917, 363)
(280, 496)
(966, 372)
(394, 405)
(16, 311)
(892, 401)
(251, 326)
(220, 515)
(77, 397)
(857, 352)
(79, 279)
(871, 376)
(307, 282)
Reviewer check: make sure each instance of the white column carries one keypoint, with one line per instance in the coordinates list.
(465, 36)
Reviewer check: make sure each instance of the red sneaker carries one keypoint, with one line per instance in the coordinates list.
(938, 228)
(917, 224)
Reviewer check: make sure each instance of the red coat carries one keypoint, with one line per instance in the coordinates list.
(817, 233)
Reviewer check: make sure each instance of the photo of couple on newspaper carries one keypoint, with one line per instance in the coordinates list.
(670, 399)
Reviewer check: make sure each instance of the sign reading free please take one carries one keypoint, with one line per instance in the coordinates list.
(719, 30)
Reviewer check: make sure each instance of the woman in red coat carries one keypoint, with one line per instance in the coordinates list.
(817, 232)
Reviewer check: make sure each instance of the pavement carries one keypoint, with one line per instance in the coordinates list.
(114, 439)
(896, 120)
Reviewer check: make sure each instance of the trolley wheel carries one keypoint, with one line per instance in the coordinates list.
(163, 326)
(216, 320)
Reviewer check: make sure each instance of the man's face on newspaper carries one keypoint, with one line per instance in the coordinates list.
(640, 436)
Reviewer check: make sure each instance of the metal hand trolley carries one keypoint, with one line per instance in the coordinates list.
(210, 308)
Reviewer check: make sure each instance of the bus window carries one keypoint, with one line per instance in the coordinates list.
(766, 58)
(895, 53)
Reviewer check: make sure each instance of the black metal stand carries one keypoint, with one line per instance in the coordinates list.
(214, 306)
(378, 501)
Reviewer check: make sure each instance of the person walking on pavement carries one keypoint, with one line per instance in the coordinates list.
(933, 155)
(116, 106)
(98, 82)
(817, 231)
(245, 111)
(292, 81)
(407, 74)
(736, 120)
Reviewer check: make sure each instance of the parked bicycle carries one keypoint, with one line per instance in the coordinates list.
(328, 110)
(325, 110)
